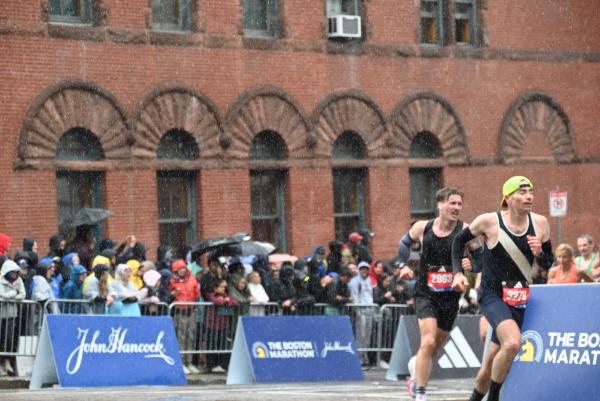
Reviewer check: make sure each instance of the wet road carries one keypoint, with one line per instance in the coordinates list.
(374, 388)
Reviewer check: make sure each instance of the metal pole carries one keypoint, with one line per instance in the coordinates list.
(558, 230)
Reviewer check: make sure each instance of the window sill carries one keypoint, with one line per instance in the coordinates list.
(76, 31)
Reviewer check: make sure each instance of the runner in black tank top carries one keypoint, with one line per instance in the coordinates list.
(504, 288)
(436, 302)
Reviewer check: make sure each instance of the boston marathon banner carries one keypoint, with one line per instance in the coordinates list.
(294, 349)
(560, 346)
(107, 350)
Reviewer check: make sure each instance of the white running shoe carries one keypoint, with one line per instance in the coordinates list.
(412, 381)
(421, 397)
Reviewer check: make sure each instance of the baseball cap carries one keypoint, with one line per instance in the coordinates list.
(355, 237)
(512, 185)
(363, 265)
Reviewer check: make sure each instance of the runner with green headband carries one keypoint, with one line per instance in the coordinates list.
(515, 238)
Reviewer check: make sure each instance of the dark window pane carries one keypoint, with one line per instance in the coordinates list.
(349, 146)
(173, 234)
(425, 146)
(78, 11)
(76, 190)
(78, 144)
(176, 207)
(464, 17)
(261, 18)
(430, 22)
(264, 193)
(268, 146)
(171, 14)
(173, 197)
(177, 144)
(266, 230)
(424, 183)
(344, 226)
(267, 198)
(348, 201)
(256, 15)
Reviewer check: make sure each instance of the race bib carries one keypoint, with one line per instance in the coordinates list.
(439, 281)
(515, 297)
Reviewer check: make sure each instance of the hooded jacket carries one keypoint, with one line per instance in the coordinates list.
(73, 289)
(10, 291)
(188, 287)
(54, 245)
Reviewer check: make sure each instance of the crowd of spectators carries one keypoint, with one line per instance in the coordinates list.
(116, 278)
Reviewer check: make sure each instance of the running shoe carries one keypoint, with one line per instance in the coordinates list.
(411, 385)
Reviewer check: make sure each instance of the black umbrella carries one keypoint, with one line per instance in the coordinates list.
(256, 248)
(86, 217)
(227, 244)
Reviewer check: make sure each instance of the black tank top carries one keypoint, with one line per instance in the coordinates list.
(499, 267)
(436, 254)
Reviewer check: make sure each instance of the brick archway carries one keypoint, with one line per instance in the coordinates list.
(176, 107)
(68, 105)
(535, 111)
(429, 112)
(350, 111)
(266, 109)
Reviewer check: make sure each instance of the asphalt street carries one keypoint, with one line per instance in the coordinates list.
(375, 387)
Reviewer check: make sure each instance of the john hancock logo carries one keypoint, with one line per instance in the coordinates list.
(259, 350)
(532, 347)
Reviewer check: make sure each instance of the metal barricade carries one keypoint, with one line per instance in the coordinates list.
(20, 323)
(155, 309)
(365, 322)
(389, 319)
(70, 307)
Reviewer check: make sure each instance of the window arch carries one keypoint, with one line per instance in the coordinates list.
(425, 145)
(268, 145)
(177, 144)
(349, 146)
(79, 144)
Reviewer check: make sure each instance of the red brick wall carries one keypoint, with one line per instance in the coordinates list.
(479, 89)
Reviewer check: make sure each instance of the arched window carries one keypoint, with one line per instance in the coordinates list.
(177, 191)
(78, 144)
(267, 190)
(424, 181)
(78, 189)
(349, 186)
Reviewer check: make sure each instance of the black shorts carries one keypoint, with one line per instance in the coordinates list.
(444, 310)
(496, 311)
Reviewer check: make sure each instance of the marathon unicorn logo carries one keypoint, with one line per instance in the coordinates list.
(259, 350)
(532, 347)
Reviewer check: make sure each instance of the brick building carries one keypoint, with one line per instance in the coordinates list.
(295, 120)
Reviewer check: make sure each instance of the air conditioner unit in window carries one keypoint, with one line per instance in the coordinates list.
(344, 26)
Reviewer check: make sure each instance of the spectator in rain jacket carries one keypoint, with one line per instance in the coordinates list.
(149, 293)
(123, 296)
(23, 259)
(41, 290)
(334, 258)
(4, 245)
(11, 289)
(218, 321)
(73, 289)
(164, 293)
(68, 261)
(96, 285)
(361, 292)
(318, 254)
(338, 293)
(316, 285)
(284, 291)
(238, 289)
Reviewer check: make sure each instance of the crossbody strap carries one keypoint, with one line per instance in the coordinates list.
(515, 253)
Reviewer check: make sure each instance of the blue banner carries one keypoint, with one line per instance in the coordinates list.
(114, 350)
(294, 349)
(560, 346)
